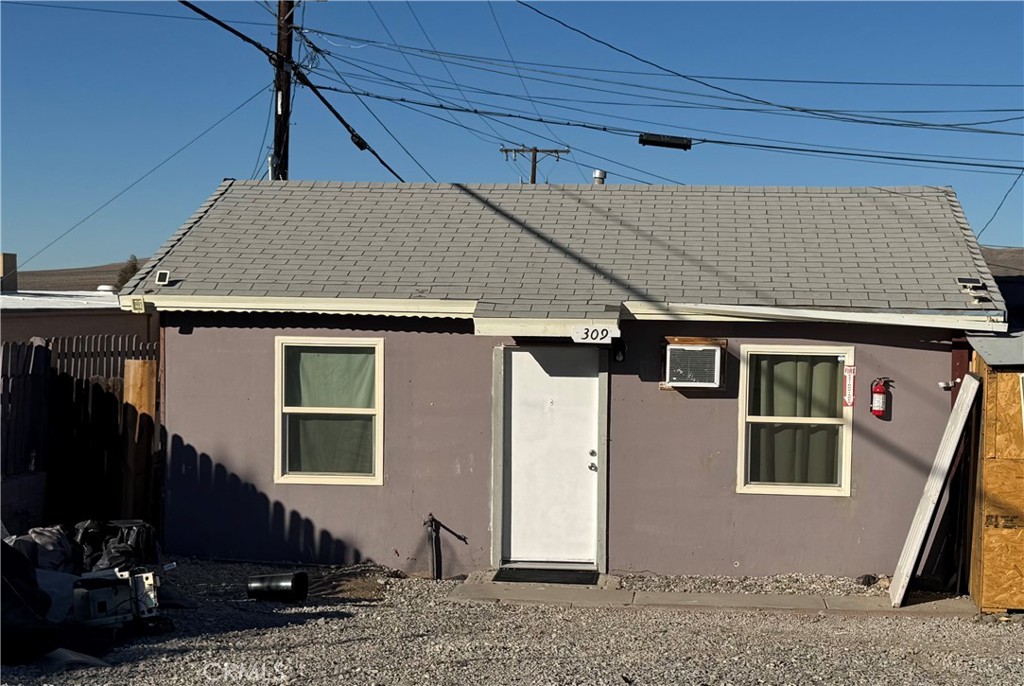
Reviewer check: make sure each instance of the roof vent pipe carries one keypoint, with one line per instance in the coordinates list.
(599, 175)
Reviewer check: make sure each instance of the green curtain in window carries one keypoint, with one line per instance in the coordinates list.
(794, 386)
(330, 444)
(329, 377)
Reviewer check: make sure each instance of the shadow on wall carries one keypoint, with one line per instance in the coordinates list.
(212, 513)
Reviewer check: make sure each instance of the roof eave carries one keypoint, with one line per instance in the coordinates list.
(394, 307)
(969, 320)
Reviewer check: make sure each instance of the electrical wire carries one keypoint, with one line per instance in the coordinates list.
(362, 102)
(529, 98)
(449, 72)
(523, 175)
(381, 79)
(136, 14)
(357, 140)
(618, 130)
(263, 143)
(660, 74)
(1000, 206)
(692, 105)
(881, 121)
(385, 79)
(481, 135)
(143, 177)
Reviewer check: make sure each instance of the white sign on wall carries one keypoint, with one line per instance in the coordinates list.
(849, 376)
(598, 333)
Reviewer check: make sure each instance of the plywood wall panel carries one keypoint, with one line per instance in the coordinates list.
(1009, 429)
(1003, 571)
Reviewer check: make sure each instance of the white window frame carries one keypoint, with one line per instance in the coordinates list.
(281, 475)
(845, 422)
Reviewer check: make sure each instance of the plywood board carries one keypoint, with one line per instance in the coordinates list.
(1009, 428)
(933, 489)
(1003, 571)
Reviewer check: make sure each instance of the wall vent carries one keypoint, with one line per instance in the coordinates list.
(693, 366)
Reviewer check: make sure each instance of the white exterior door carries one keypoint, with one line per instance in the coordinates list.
(551, 473)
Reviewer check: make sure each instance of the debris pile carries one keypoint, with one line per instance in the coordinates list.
(81, 590)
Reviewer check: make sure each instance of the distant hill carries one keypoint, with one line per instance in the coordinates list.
(80, 279)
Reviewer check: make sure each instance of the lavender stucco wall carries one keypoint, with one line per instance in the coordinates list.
(672, 501)
(221, 497)
(673, 506)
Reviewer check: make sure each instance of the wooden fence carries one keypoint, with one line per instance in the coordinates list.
(24, 398)
(91, 357)
(68, 411)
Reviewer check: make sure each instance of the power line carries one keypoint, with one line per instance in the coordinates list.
(529, 98)
(357, 140)
(881, 121)
(449, 72)
(263, 143)
(840, 115)
(522, 174)
(713, 77)
(362, 102)
(762, 146)
(626, 131)
(382, 79)
(143, 177)
(136, 14)
(1000, 206)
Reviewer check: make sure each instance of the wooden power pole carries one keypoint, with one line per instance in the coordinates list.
(533, 157)
(282, 89)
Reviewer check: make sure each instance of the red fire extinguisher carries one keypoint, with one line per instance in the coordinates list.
(878, 392)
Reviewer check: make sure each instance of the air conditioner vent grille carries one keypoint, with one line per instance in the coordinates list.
(693, 366)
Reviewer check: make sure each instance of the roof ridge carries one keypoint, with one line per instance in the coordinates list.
(177, 237)
(298, 183)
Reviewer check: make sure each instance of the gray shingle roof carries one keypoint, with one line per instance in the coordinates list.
(578, 250)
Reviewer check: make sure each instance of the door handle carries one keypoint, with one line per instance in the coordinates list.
(592, 467)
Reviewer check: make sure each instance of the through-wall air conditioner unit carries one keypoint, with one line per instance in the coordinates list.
(693, 366)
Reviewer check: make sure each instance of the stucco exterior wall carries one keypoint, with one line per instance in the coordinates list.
(219, 412)
(672, 501)
(673, 506)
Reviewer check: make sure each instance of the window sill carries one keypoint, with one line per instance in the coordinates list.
(329, 479)
(789, 489)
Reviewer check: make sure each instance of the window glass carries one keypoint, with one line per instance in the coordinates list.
(795, 386)
(793, 453)
(329, 376)
(330, 443)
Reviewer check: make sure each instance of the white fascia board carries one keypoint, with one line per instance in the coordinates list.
(416, 307)
(994, 320)
(551, 328)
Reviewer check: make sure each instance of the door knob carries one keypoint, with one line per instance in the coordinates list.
(592, 467)
(593, 453)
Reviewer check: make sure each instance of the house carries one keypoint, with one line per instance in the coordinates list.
(666, 378)
(62, 303)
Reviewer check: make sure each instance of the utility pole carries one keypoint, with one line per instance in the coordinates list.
(533, 157)
(282, 88)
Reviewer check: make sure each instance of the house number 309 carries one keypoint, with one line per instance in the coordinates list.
(593, 334)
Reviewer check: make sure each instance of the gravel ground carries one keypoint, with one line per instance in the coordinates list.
(363, 626)
(787, 584)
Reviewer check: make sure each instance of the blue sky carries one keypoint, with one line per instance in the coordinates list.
(91, 101)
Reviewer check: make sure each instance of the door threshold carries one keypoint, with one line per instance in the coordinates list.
(573, 573)
(567, 566)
